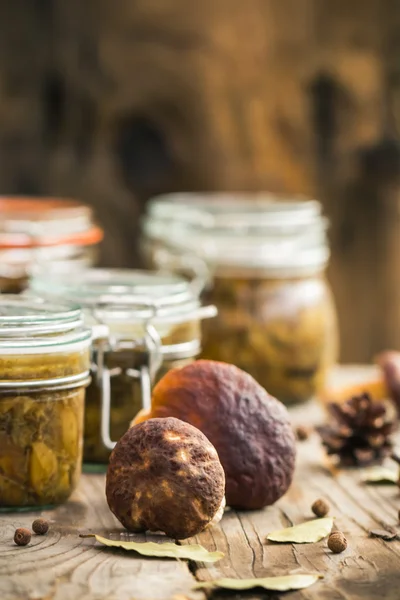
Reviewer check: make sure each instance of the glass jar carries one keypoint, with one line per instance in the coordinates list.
(44, 233)
(44, 369)
(266, 261)
(143, 324)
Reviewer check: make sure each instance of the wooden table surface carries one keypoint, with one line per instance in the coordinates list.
(63, 566)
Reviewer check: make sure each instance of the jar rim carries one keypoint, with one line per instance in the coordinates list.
(33, 325)
(55, 384)
(116, 295)
(247, 231)
(18, 263)
(29, 222)
(227, 211)
(15, 308)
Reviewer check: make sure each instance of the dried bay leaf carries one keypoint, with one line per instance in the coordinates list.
(380, 474)
(165, 550)
(284, 583)
(305, 533)
(384, 535)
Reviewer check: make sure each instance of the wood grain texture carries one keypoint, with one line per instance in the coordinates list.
(62, 566)
(368, 568)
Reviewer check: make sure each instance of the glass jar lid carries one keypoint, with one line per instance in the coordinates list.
(27, 222)
(282, 237)
(123, 295)
(33, 326)
(241, 212)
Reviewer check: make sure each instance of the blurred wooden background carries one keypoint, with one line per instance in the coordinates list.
(112, 102)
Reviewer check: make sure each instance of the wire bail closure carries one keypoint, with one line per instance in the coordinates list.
(172, 260)
(145, 374)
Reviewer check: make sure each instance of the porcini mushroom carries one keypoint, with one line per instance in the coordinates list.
(164, 475)
(249, 428)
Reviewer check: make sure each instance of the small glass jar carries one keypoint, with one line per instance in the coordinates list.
(44, 370)
(143, 324)
(44, 233)
(266, 261)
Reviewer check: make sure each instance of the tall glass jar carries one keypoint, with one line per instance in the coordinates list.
(266, 261)
(47, 233)
(143, 324)
(44, 370)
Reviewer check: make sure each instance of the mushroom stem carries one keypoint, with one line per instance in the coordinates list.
(219, 514)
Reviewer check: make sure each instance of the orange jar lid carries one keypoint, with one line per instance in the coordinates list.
(28, 222)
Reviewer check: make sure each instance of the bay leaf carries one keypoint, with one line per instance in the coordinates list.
(384, 535)
(305, 533)
(380, 474)
(164, 550)
(284, 583)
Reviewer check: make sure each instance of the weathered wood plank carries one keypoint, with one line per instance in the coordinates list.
(62, 566)
(368, 568)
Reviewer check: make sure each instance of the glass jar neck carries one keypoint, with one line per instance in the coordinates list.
(42, 346)
(234, 211)
(125, 298)
(245, 232)
(46, 222)
(34, 326)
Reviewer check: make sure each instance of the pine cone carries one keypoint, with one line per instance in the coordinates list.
(360, 434)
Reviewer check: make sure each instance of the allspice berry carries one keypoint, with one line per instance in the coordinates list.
(320, 508)
(302, 433)
(40, 526)
(22, 536)
(337, 542)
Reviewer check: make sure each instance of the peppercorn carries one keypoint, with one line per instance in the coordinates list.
(320, 508)
(337, 542)
(302, 433)
(40, 526)
(22, 536)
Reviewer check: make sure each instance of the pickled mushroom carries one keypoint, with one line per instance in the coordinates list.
(40, 447)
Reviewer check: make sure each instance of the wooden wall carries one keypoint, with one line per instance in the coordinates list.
(115, 101)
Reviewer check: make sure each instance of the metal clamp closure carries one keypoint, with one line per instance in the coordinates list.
(172, 260)
(145, 374)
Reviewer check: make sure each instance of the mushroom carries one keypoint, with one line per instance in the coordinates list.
(389, 362)
(249, 428)
(164, 475)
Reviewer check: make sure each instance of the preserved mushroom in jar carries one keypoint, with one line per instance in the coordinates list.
(281, 331)
(49, 233)
(25, 367)
(144, 323)
(40, 446)
(44, 368)
(14, 285)
(267, 255)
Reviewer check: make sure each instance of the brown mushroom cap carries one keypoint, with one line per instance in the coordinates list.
(249, 428)
(389, 362)
(164, 475)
